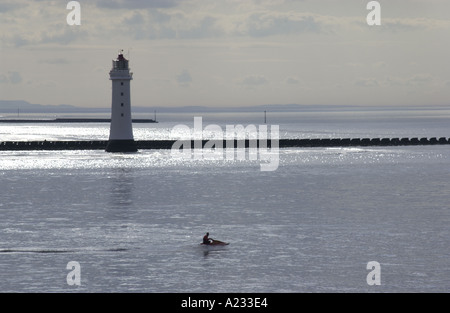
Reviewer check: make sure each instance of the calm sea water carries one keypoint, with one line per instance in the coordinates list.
(134, 221)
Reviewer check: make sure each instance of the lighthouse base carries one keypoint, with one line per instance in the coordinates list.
(121, 146)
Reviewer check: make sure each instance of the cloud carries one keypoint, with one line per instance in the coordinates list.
(136, 19)
(379, 65)
(6, 7)
(413, 24)
(11, 78)
(367, 82)
(177, 19)
(184, 79)
(18, 41)
(62, 36)
(179, 24)
(262, 24)
(253, 81)
(292, 80)
(206, 27)
(54, 61)
(136, 4)
(419, 80)
(68, 35)
(416, 80)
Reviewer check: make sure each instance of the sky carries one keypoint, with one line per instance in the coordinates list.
(227, 53)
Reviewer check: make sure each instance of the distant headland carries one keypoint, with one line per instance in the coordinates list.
(19, 107)
(70, 120)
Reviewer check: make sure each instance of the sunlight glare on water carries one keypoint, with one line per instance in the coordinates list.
(134, 222)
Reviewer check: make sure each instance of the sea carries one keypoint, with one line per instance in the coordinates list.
(91, 221)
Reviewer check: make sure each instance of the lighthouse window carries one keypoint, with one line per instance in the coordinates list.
(121, 114)
(121, 104)
(121, 83)
(121, 93)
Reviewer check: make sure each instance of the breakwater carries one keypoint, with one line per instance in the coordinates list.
(282, 143)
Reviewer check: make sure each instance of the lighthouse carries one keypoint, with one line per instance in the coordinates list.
(121, 129)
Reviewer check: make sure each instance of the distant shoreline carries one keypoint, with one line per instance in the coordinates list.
(70, 120)
(23, 107)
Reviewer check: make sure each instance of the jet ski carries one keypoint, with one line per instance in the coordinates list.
(214, 242)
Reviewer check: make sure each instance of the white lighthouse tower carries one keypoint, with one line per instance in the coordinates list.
(121, 131)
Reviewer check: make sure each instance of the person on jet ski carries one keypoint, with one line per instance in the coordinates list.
(206, 239)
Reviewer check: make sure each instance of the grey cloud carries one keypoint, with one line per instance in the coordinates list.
(9, 6)
(152, 24)
(178, 25)
(421, 79)
(184, 78)
(253, 81)
(136, 25)
(3, 79)
(292, 80)
(401, 25)
(412, 81)
(19, 41)
(65, 37)
(165, 24)
(15, 78)
(55, 61)
(269, 24)
(136, 19)
(159, 24)
(11, 78)
(68, 35)
(136, 4)
(367, 82)
(204, 28)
